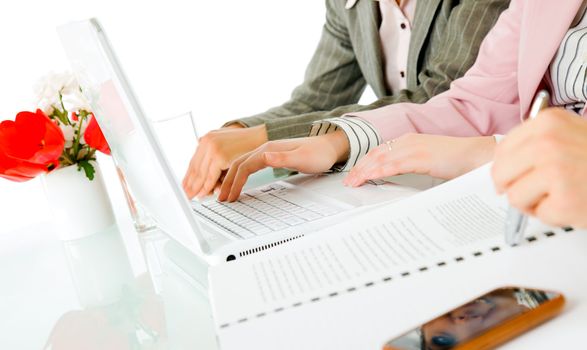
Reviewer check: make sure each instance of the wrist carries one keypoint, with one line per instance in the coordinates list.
(339, 142)
(252, 137)
(259, 134)
(485, 149)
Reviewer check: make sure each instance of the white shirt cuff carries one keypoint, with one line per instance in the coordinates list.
(360, 133)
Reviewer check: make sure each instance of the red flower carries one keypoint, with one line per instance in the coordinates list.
(95, 138)
(30, 145)
(74, 117)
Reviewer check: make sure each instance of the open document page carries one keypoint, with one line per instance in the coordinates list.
(369, 317)
(360, 282)
(435, 227)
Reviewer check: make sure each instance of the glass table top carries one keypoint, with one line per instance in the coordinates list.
(97, 293)
(116, 289)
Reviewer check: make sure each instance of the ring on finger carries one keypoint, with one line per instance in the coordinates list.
(389, 144)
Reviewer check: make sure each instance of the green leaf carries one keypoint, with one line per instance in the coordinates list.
(88, 169)
(60, 115)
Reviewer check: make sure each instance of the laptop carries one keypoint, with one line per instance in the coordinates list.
(216, 232)
(262, 218)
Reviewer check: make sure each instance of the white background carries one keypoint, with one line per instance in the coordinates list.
(219, 59)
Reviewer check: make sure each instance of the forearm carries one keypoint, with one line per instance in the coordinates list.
(300, 125)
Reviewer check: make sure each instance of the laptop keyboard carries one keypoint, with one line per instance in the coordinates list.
(258, 212)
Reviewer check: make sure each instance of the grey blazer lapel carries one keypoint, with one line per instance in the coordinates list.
(423, 18)
(365, 16)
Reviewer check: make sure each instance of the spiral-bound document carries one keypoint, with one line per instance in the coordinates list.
(423, 237)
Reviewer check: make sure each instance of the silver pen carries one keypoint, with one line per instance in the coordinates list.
(516, 221)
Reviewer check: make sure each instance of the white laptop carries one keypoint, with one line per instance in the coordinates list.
(262, 218)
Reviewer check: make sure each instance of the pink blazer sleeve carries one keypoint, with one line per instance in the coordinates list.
(483, 102)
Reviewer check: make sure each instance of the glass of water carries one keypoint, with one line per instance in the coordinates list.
(178, 139)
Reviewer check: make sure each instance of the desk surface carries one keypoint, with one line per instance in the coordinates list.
(95, 293)
(112, 290)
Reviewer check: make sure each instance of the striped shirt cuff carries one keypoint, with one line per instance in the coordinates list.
(360, 133)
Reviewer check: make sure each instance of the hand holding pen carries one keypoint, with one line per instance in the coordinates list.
(516, 221)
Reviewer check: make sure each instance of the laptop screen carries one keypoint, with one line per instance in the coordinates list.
(129, 133)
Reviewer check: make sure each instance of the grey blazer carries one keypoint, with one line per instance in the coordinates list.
(444, 45)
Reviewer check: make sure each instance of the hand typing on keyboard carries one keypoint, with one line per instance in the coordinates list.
(308, 155)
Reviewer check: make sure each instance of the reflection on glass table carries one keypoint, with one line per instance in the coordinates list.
(84, 294)
(117, 309)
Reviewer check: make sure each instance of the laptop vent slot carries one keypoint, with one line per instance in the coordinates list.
(267, 246)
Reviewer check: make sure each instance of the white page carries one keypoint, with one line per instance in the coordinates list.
(441, 226)
(369, 317)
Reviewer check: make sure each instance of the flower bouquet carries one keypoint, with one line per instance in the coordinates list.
(62, 132)
(59, 141)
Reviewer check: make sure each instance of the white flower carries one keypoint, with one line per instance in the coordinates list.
(47, 106)
(68, 134)
(75, 101)
(48, 88)
(54, 83)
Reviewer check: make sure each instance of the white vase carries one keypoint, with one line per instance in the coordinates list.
(80, 207)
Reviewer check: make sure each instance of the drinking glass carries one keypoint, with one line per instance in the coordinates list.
(177, 137)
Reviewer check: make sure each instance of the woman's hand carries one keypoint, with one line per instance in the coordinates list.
(542, 167)
(216, 151)
(306, 155)
(438, 156)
